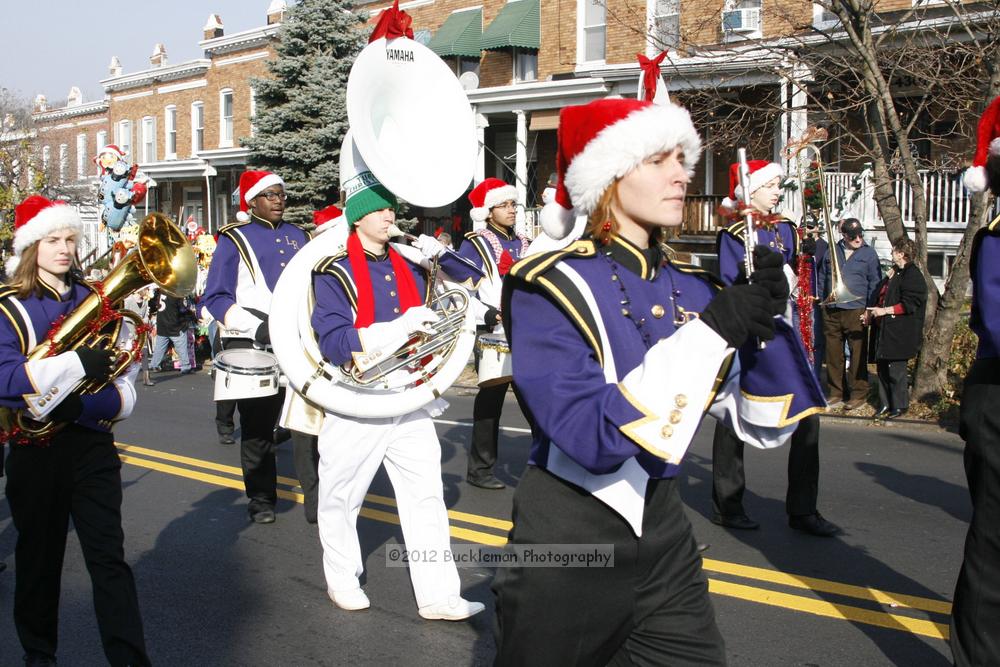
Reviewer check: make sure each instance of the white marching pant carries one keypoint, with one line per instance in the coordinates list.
(351, 451)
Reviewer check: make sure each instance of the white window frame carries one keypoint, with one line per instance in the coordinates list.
(655, 44)
(739, 35)
(46, 159)
(170, 132)
(63, 161)
(147, 139)
(822, 18)
(224, 123)
(102, 140)
(81, 155)
(516, 58)
(253, 113)
(123, 130)
(197, 127)
(581, 32)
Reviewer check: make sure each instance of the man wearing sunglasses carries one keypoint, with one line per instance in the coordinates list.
(250, 255)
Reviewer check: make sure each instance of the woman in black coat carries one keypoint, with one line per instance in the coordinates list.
(900, 321)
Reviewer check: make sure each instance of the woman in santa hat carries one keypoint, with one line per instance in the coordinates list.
(616, 353)
(779, 234)
(75, 473)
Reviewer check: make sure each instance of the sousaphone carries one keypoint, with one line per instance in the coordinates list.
(412, 127)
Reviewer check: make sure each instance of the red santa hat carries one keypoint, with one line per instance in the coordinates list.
(251, 185)
(761, 172)
(35, 218)
(987, 145)
(327, 217)
(603, 141)
(110, 148)
(488, 194)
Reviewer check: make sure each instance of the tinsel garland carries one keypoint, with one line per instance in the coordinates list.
(804, 300)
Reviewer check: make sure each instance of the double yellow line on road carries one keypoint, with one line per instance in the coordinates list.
(908, 613)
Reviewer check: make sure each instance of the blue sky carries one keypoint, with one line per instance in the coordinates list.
(50, 45)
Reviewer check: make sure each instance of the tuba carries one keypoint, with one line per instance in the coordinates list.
(163, 257)
(411, 125)
(800, 150)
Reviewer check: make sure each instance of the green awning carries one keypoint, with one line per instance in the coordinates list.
(516, 25)
(459, 35)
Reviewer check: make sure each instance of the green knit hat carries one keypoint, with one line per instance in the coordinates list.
(366, 194)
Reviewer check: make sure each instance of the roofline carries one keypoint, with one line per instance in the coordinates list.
(239, 40)
(154, 74)
(69, 112)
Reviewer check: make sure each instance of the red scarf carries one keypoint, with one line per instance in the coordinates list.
(408, 294)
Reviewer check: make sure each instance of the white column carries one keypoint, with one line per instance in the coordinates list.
(481, 124)
(521, 167)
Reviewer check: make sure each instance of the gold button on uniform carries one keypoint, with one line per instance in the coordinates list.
(281, 252)
(657, 310)
(388, 278)
(282, 263)
(675, 416)
(666, 431)
(392, 293)
(277, 240)
(680, 400)
(395, 310)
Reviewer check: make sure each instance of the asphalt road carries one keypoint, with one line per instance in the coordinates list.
(217, 590)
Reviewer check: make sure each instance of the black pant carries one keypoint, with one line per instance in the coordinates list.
(975, 614)
(258, 417)
(651, 608)
(729, 478)
(78, 476)
(225, 412)
(486, 430)
(305, 455)
(893, 389)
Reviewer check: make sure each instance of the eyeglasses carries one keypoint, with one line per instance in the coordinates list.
(507, 204)
(272, 196)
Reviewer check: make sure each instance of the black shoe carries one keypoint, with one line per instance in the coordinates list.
(226, 439)
(883, 412)
(737, 521)
(489, 482)
(814, 524)
(262, 516)
(702, 547)
(892, 414)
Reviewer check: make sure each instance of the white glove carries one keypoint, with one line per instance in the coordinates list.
(429, 246)
(383, 338)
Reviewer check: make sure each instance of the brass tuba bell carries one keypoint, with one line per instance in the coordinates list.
(163, 257)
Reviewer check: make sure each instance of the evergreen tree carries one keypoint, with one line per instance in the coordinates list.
(301, 110)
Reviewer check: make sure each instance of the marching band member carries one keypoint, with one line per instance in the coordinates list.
(369, 301)
(248, 259)
(975, 614)
(77, 473)
(728, 478)
(494, 249)
(616, 354)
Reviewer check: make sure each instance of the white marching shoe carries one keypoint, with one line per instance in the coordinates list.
(455, 608)
(352, 600)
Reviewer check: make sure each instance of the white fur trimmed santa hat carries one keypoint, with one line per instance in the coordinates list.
(488, 194)
(252, 183)
(326, 218)
(761, 172)
(987, 145)
(604, 140)
(35, 218)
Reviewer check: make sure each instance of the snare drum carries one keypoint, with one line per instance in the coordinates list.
(494, 359)
(245, 373)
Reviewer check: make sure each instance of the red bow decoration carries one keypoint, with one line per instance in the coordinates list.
(456, 224)
(506, 261)
(650, 74)
(392, 23)
(438, 231)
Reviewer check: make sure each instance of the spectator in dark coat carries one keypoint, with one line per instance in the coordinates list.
(899, 317)
(173, 318)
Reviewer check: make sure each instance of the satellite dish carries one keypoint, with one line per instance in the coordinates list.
(469, 81)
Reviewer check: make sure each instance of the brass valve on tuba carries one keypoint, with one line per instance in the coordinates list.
(162, 257)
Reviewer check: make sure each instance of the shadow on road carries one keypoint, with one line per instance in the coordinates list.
(924, 489)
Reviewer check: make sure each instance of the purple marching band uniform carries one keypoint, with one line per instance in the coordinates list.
(976, 610)
(245, 267)
(614, 422)
(484, 249)
(352, 449)
(729, 480)
(76, 474)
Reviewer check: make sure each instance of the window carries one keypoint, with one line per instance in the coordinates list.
(46, 159)
(81, 156)
(170, 133)
(594, 29)
(253, 111)
(197, 127)
(741, 19)
(666, 24)
(822, 16)
(226, 119)
(124, 140)
(149, 139)
(63, 160)
(102, 140)
(935, 264)
(525, 65)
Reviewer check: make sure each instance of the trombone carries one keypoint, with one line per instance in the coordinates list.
(799, 150)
